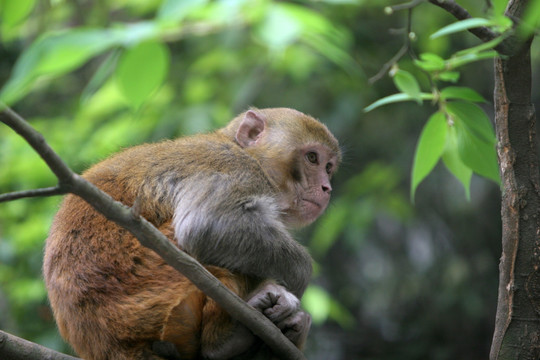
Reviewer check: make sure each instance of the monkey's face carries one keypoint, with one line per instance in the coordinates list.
(299, 155)
(315, 165)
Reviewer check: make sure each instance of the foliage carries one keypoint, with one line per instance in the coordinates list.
(392, 280)
(460, 133)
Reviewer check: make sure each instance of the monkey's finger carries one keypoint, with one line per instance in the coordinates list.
(298, 320)
(279, 312)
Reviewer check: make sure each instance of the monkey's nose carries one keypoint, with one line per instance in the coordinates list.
(326, 188)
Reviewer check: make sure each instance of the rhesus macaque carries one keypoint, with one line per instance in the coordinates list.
(228, 199)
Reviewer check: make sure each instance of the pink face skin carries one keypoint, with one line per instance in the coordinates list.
(309, 192)
(317, 165)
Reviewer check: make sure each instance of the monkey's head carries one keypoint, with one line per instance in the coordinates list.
(299, 154)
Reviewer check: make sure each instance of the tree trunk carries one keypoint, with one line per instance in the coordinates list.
(517, 327)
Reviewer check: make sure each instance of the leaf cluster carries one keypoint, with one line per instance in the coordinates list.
(460, 132)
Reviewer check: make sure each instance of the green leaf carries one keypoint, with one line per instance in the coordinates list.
(101, 75)
(461, 26)
(499, 6)
(474, 118)
(429, 149)
(449, 76)
(317, 302)
(407, 83)
(531, 19)
(15, 11)
(453, 162)
(477, 154)
(174, 11)
(53, 55)
(501, 23)
(396, 98)
(314, 30)
(465, 59)
(67, 51)
(141, 70)
(321, 306)
(475, 139)
(57, 53)
(280, 28)
(430, 62)
(483, 46)
(462, 93)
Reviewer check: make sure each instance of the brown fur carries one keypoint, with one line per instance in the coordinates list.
(111, 297)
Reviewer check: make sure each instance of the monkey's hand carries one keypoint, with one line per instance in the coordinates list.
(283, 309)
(278, 305)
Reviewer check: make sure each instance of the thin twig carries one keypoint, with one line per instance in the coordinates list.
(483, 33)
(50, 191)
(388, 65)
(401, 52)
(407, 6)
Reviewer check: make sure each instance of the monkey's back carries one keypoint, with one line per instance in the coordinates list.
(101, 281)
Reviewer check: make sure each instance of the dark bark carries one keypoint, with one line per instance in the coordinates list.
(460, 13)
(15, 348)
(517, 327)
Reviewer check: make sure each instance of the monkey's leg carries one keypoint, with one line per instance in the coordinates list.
(198, 326)
(183, 326)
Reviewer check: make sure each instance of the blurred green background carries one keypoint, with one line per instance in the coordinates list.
(392, 280)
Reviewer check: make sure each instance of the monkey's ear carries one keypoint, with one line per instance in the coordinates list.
(251, 129)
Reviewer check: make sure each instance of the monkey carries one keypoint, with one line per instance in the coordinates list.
(228, 198)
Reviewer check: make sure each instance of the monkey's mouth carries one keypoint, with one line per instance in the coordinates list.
(312, 202)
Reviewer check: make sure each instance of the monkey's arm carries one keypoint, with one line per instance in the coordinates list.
(224, 222)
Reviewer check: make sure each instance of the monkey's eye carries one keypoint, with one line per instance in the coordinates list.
(328, 168)
(311, 157)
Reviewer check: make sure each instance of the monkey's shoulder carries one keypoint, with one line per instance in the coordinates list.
(206, 160)
(203, 151)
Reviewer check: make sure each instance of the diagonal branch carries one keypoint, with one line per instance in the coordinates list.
(153, 239)
(483, 33)
(37, 141)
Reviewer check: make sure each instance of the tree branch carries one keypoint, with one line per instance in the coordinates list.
(15, 348)
(483, 33)
(153, 239)
(37, 141)
(50, 191)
